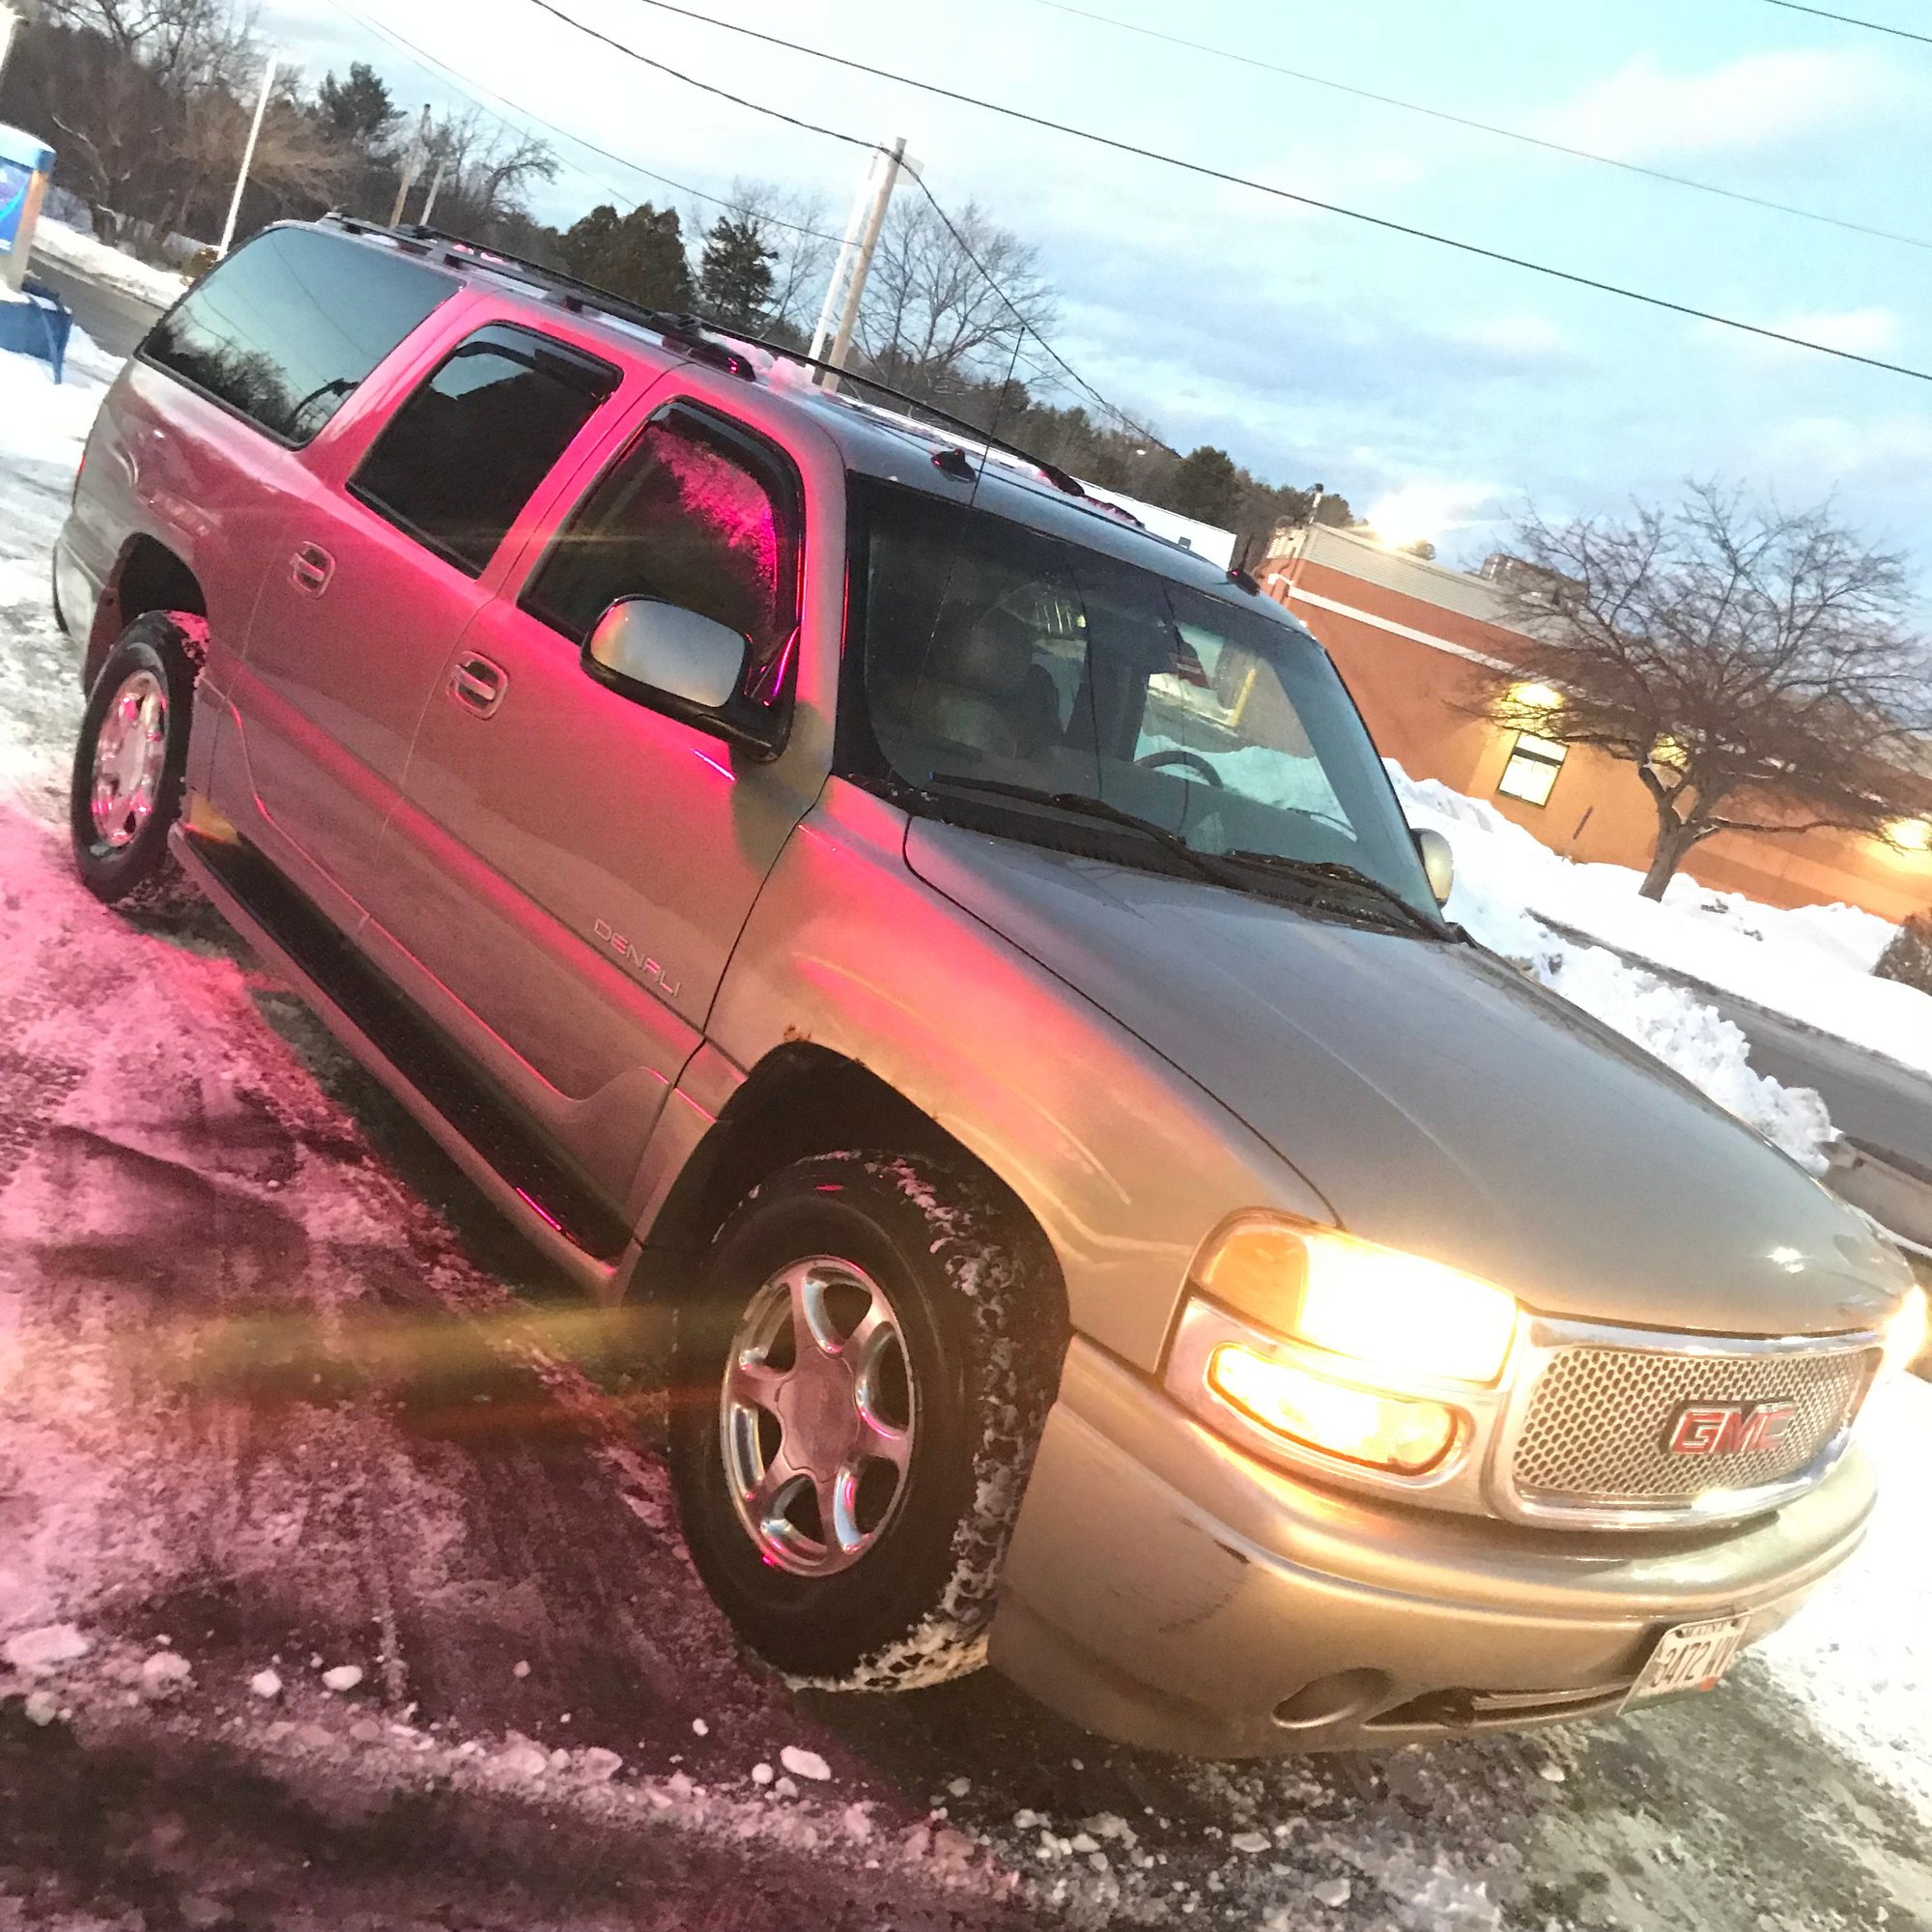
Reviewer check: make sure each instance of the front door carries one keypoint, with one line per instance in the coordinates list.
(373, 576)
(574, 864)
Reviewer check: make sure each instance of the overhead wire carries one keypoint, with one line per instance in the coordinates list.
(1548, 146)
(474, 87)
(1201, 169)
(1852, 20)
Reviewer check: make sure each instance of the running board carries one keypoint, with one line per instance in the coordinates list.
(458, 1104)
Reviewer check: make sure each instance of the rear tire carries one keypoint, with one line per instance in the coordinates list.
(945, 1329)
(132, 759)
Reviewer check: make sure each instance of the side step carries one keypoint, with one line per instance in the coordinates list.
(437, 1082)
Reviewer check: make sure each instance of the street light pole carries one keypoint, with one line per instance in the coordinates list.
(247, 158)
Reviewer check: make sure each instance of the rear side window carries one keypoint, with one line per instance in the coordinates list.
(286, 327)
(692, 514)
(456, 464)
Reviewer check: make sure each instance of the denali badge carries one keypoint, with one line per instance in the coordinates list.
(1725, 1427)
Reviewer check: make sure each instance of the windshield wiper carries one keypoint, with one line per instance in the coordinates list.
(1207, 864)
(1330, 871)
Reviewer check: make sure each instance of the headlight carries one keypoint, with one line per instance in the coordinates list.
(1397, 1315)
(1385, 1432)
(1905, 1334)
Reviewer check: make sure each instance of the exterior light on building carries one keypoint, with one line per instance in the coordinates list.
(1911, 835)
(1535, 697)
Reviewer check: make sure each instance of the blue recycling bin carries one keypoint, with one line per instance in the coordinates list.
(36, 323)
(26, 166)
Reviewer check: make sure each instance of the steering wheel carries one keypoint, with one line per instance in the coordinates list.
(1193, 760)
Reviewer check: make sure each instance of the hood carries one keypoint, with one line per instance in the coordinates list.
(1440, 1101)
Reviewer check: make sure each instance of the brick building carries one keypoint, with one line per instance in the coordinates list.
(1411, 637)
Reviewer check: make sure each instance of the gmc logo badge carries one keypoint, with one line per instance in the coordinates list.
(1728, 1428)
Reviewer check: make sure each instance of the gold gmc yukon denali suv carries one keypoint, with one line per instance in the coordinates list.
(956, 961)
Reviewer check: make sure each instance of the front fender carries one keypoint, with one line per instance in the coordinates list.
(1124, 1161)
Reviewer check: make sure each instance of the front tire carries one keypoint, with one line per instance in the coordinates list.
(861, 1384)
(132, 759)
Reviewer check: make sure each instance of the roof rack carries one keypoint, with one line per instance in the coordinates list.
(682, 331)
(702, 341)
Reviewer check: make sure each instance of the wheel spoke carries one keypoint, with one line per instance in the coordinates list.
(839, 1511)
(881, 1443)
(776, 1489)
(810, 1317)
(754, 1384)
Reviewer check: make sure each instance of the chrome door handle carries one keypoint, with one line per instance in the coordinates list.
(311, 567)
(478, 685)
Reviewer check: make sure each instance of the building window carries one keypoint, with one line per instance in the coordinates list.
(1531, 770)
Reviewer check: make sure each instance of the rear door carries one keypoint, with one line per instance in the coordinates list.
(576, 865)
(381, 560)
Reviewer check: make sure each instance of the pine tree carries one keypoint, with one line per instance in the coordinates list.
(638, 256)
(735, 279)
(1206, 485)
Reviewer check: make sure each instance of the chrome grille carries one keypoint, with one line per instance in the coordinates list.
(1597, 1429)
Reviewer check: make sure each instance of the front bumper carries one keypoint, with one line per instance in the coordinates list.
(1165, 1589)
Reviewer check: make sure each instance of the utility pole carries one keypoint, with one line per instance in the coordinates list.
(410, 163)
(885, 176)
(1300, 555)
(435, 189)
(8, 22)
(247, 158)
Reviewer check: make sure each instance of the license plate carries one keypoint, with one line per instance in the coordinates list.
(1688, 1657)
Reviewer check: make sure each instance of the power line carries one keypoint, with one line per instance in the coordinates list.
(1850, 20)
(1483, 127)
(472, 87)
(1201, 168)
(1028, 327)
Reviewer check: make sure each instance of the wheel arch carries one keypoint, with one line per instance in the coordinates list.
(147, 576)
(804, 1099)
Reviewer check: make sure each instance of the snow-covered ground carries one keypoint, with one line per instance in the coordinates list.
(1812, 964)
(73, 248)
(335, 1588)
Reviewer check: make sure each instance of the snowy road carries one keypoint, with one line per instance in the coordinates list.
(278, 1395)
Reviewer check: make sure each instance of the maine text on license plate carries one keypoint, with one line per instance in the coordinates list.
(1690, 1656)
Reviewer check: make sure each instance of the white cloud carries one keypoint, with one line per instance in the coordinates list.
(1520, 332)
(1863, 332)
(1757, 101)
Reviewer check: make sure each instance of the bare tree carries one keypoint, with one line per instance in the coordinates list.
(946, 304)
(1753, 663)
(488, 172)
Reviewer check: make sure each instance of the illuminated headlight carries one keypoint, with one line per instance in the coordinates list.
(1305, 1342)
(1385, 1432)
(1905, 1334)
(1393, 1312)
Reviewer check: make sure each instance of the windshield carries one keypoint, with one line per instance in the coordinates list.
(991, 651)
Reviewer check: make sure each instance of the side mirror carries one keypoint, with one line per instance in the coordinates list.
(647, 648)
(1438, 862)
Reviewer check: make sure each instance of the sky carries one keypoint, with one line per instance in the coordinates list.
(1439, 392)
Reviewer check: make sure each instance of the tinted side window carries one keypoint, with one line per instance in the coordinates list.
(684, 516)
(462, 457)
(286, 327)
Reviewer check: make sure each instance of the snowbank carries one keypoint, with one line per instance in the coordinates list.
(69, 248)
(43, 426)
(1860, 1656)
(1501, 871)
(1814, 965)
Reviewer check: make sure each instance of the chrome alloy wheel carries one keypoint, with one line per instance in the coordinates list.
(130, 750)
(817, 1416)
